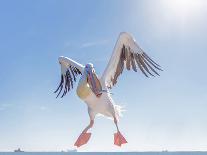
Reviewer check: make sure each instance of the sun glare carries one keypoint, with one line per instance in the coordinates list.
(183, 8)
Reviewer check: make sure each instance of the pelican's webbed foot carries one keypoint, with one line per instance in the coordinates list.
(82, 139)
(119, 139)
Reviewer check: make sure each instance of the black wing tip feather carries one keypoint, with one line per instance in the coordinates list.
(130, 59)
(67, 81)
(151, 66)
(143, 61)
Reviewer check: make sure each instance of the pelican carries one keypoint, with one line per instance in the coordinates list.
(94, 90)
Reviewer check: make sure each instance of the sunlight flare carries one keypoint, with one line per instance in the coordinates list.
(183, 8)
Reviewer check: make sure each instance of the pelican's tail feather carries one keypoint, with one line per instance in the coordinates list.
(118, 111)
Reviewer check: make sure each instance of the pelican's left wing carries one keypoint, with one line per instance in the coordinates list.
(128, 54)
(69, 71)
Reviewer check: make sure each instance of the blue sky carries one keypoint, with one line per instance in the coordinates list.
(166, 112)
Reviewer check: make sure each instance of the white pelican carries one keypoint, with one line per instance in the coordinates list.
(94, 91)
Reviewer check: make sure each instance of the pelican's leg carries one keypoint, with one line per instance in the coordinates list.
(88, 127)
(84, 137)
(118, 137)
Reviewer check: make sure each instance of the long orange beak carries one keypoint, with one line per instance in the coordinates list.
(94, 83)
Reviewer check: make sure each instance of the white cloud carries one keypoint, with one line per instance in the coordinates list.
(5, 106)
(94, 43)
(69, 44)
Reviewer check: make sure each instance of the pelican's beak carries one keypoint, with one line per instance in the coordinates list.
(90, 76)
(94, 82)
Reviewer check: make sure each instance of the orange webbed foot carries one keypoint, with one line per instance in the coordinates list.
(82, 139)
(119, 139)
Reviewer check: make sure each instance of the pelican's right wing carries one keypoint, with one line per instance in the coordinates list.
(128, 54)
(69, 71)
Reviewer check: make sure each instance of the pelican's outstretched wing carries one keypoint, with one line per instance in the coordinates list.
(128, 53)
(69, 71)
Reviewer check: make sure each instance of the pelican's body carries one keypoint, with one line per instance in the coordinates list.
(94, 91)
(96, 105)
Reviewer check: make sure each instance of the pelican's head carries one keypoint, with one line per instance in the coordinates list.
(89, 69)
(92, 79)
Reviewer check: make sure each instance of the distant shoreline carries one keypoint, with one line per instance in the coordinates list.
(129, 152)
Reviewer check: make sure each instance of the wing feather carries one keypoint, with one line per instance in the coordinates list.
(152, 69)
(140, 66)
(133, 62)
(144, 54)
(128, 59)
(143, 64)
(61, 81)
(127, 54)
(69, 72)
